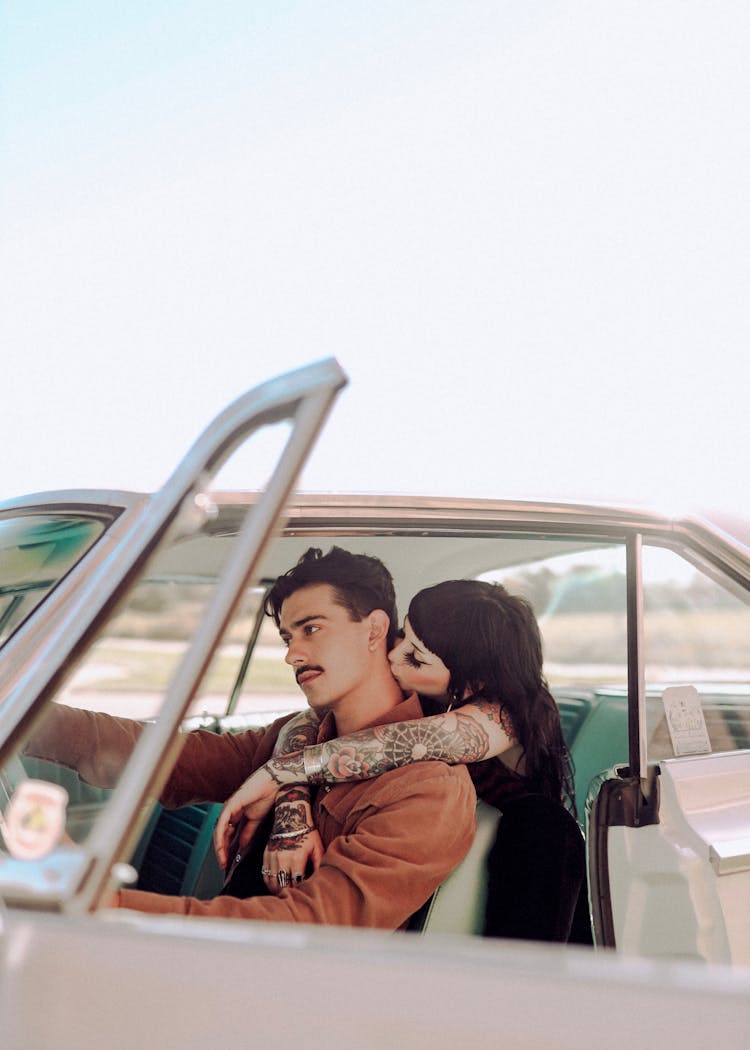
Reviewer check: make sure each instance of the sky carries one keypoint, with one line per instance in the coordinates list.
(522, 228)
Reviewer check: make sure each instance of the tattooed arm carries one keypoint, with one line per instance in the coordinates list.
(299, 732)
(475, 732)
(294, 846)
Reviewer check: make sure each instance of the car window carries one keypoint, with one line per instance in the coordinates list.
(139, 650)
(36, 551)
(578, 597)
(579, 601)
(697, 634)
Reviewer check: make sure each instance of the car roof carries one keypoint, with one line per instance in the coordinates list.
(434, 534)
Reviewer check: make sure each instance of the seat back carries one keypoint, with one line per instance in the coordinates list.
(457, 906)
(523, 877)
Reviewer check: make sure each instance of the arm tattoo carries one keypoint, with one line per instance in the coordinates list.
(301, 731)
(497, 714)
(290, 764)
(370, 752)
(293, 793)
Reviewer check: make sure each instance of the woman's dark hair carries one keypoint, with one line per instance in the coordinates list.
(360, 583)
(490, 642)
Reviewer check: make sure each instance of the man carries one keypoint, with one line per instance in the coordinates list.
(389, 842)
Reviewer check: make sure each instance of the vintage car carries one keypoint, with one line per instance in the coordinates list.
(152, 607)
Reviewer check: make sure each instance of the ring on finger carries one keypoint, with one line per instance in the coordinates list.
(282, 878)
(266, 873)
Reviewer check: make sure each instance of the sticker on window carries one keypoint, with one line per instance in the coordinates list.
(687, 725)
(35, 819)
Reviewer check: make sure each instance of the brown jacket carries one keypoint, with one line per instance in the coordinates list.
(389, 842)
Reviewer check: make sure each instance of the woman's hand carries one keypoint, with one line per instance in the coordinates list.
(245, 810)
(294, 846)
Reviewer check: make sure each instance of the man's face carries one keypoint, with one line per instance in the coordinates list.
(326, 648)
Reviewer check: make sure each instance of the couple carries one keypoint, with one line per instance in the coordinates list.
(467, 647)
(386, 843)
(383, 845)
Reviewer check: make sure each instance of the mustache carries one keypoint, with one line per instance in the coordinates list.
(301, 670)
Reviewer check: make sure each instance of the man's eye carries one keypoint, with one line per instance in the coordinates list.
(311, 628)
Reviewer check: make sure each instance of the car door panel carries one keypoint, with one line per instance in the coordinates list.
(669, 833)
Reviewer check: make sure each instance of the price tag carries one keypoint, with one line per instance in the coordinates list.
(685, 720)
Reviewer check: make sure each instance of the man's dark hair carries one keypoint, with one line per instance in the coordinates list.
(360, 583)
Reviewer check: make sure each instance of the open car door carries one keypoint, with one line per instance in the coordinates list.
(72, 879)
(668, 835)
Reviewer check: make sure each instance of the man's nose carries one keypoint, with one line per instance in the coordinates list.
(294, 654)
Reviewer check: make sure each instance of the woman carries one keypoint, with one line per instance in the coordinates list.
(472, 652)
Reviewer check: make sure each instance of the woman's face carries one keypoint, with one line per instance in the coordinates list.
(416, 669)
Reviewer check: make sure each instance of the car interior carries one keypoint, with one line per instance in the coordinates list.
(576, 580)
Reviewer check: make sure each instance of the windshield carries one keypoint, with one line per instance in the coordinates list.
(36, 551)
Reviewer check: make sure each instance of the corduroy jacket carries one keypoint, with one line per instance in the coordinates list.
(389, 842)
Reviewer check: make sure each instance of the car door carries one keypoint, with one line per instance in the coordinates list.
(669, 833)
(72, 878)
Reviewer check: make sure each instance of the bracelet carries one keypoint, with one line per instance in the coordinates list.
(312, 764)
(290, 834)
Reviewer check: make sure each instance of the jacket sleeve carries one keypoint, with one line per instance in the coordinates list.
(209, 768)
(391, 858)
(95, 745)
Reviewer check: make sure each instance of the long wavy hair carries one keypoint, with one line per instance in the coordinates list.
(490, 642)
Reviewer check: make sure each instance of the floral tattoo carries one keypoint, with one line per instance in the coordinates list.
(499, 716)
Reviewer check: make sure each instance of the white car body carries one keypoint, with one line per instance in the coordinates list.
(668, 835)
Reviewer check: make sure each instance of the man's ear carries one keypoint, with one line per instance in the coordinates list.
(379, 625)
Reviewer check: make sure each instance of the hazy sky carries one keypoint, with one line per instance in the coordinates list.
(523, 228)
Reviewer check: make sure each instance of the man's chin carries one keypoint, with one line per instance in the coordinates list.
(319, 706)
(314, 697)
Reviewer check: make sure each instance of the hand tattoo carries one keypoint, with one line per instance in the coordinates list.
(292, 822)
